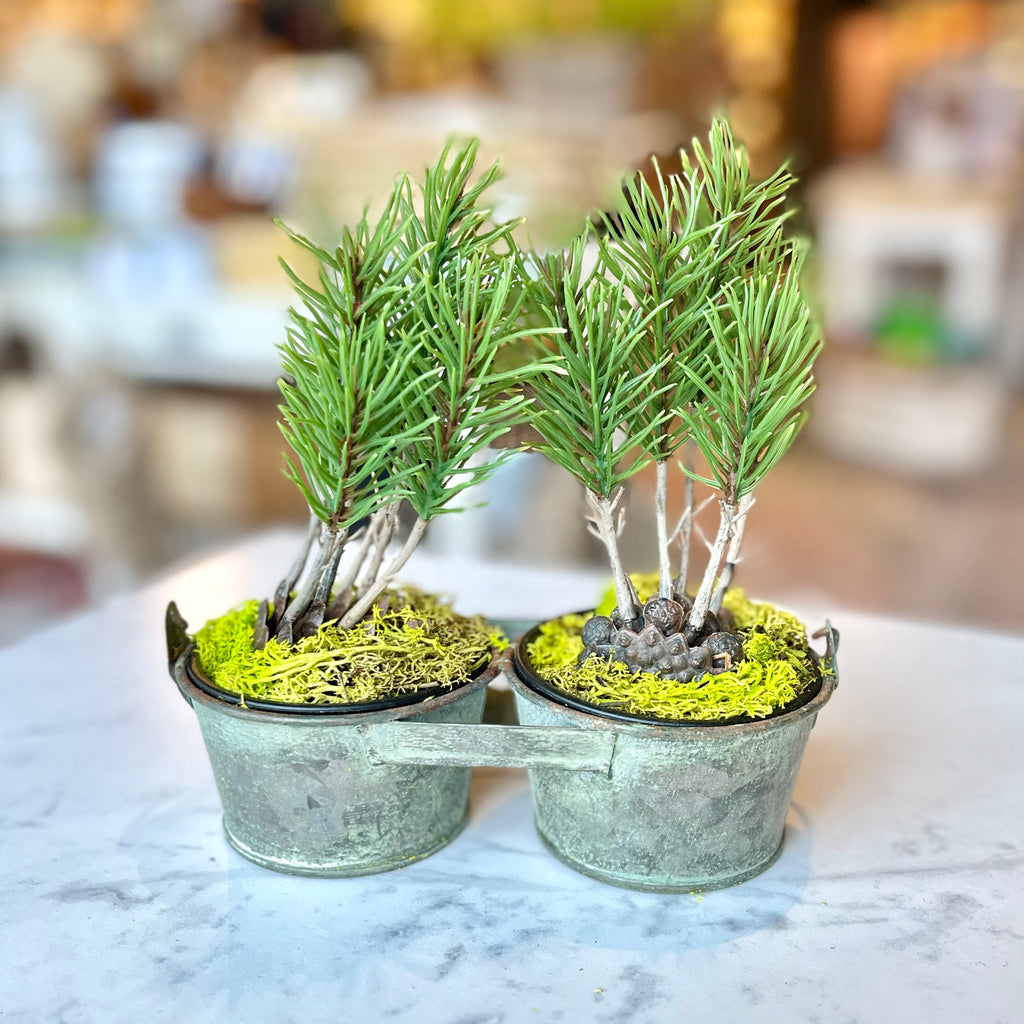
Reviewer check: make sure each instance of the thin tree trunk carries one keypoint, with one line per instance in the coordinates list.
(261, 631)
(702, 602)
(383, 539)
(664, 563)
(343, 597)
(366, 600)
(685, 538)
(603, 518)
(373, 528)
(287, 585)
(725, 580)
(302, 600)
(313, 617)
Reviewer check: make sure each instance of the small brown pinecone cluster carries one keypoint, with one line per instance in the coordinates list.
(664, 644)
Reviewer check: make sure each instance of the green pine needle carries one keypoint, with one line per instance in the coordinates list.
(692, 326)
(392, 384)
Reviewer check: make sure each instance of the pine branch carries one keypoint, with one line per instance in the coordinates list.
(391, 383)
(756, 378)
(592, 405)
(751, 212)
(591, 402)
(465, 326)
(668, 264)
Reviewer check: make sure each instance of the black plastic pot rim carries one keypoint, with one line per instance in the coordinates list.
(193, 675)
(530, 678)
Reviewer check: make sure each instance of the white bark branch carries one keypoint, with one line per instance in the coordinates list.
(387, 530)
(313, 617)
(287, 585)
(366, 600)
(368, 540)
(702, 602)
(685, 540)
(344, 592)
(664, 563)
(602, 515)
(322, 566)
(733, 556)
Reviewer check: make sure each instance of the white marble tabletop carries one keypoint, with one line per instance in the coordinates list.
(899, 895)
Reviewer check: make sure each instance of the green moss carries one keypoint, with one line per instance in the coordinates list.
(777, 669)
(415, 644)
(772, 634)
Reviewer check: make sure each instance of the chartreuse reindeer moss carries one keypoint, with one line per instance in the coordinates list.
(415, 643)
(777, 668)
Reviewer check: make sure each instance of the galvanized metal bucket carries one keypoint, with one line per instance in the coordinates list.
(669, 807)
(682, 807)
(302, 794)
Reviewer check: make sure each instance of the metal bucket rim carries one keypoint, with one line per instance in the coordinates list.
(528, 684)
(325, 714)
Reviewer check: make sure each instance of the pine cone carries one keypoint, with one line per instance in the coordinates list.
(663, 645)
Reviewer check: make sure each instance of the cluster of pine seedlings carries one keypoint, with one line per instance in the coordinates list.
(676, 325)
(688, 332)
(392, 386)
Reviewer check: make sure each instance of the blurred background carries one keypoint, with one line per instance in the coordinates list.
(145, 146)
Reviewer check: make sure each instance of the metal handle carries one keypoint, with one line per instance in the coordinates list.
(176, 634)
(499, 746)
(827, 661)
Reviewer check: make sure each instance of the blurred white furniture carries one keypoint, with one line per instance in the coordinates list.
(925, 421)
(872, 219)
(31, 181)
(873, 222)
(214, 336)
(142, 168)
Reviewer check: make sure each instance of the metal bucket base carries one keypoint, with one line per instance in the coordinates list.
(341, 871)
(681, 807)
(638, 885)
(303, 794)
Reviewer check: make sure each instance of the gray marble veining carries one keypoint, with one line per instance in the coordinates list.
(898, 896)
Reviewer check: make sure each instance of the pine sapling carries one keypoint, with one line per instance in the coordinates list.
(756, 378)
(692, 334)
(391, 385)
(592, 408)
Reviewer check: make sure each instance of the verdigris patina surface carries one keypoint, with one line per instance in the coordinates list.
(684, 806)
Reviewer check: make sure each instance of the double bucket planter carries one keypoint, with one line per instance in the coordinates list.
(666, 807)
